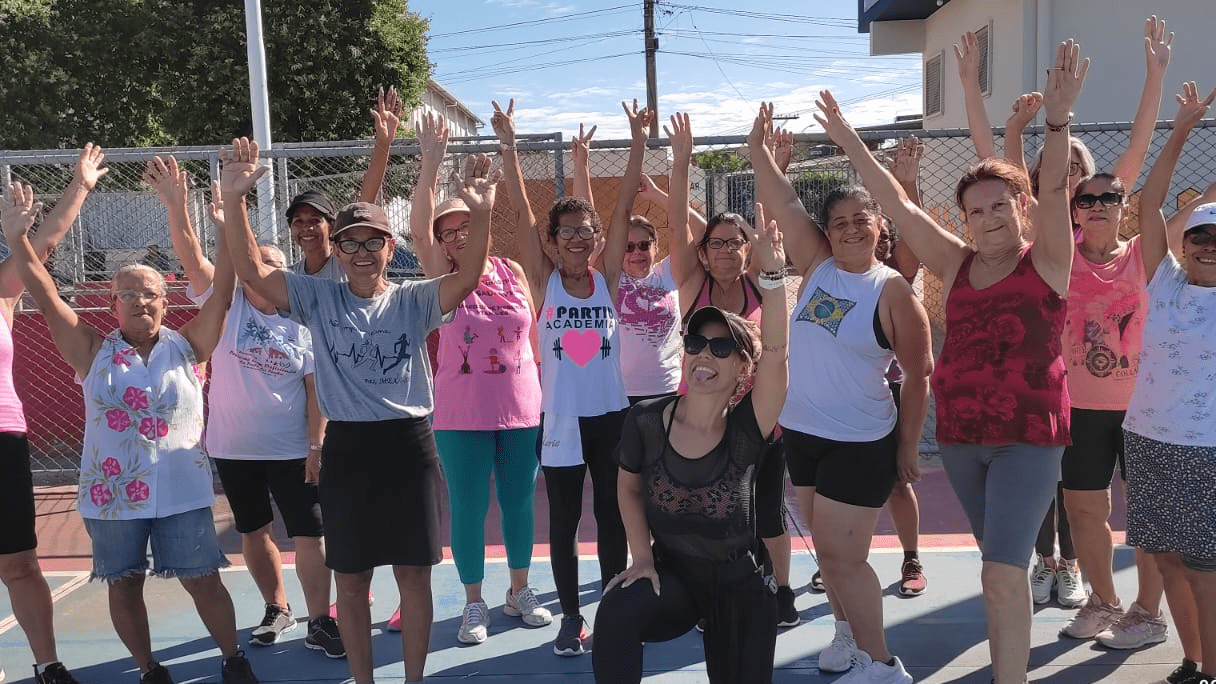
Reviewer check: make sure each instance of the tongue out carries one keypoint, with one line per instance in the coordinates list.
(702, 374)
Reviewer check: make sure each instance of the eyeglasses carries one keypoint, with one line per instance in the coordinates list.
(721, 347)
(884, 237)
(1074, 168)
(373, 245)
(643, 246)
(453, 234)
(583, 232)
(132, 296)
(733, 244)
(1108, 199)
(1195, 237)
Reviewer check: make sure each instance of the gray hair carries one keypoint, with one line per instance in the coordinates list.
(134, 269)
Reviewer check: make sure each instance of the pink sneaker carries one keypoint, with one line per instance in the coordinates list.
(394, 623)
(333, 607)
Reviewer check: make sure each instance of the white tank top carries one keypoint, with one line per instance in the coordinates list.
(580, 351)
(837, 385)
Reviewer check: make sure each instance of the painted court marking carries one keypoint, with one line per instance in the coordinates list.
(78, 580)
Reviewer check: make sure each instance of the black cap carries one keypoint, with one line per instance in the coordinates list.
(315, 199)
(708, 314)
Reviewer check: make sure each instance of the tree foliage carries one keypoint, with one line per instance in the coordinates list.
(151, 72)
(722, 161)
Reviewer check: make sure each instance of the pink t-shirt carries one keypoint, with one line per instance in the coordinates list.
(12, 417)
(1107, 304)
(486, 377)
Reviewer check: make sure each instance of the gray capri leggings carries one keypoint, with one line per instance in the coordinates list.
(1005, 491)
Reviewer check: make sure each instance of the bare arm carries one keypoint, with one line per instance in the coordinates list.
(906, 170)
(517, 192)
(906, 324)
(477, 192)
(968, 56)
(781, 143)
(316, 431)
(580, 152)
(239, 174)
(386, 117)
(655, 195)
(205, 329)
(618, 225)
(1157, 56)
(172, 186)
(772, 370)
(1025, 108)
(684, 263)
(433, 140)
(1175, 225)
(637, 531)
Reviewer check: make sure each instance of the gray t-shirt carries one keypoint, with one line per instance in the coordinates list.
(371, 356)
(330, 271)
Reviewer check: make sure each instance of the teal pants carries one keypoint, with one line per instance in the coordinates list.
(469, 457)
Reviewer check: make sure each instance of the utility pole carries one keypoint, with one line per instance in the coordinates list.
(652, 86)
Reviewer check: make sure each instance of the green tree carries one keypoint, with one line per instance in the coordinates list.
(721, 161)
(813, 187)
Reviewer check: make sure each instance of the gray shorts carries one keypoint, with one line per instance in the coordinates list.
(1005, 491)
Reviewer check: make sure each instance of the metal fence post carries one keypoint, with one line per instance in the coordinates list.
(559, 168)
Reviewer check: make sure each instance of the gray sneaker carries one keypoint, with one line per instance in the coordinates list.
(276, 621)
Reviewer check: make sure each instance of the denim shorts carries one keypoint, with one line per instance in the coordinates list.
(183, 545)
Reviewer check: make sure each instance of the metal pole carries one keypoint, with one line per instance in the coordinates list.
(652, 87)
(259, 104)
(559, 168)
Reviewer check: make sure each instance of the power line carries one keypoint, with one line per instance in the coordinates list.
(545, 41)
(533, 22)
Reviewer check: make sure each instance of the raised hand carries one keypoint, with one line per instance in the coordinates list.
(19, 211)
(1025, 108)
(432, 136)
(1064, 82)
(650, 192)
(766, 242)
(239, 170)
(639, 120)
(680, 135)
(170, 182)
(88, 167)
(215, 208)
(580, 146)
(386, 115)
(967, 52)
(1157, 45)
(781, 143)
(762, 127)
(503, 123)
(1191, 108)
(905, 166)
(832, 121)
(478, 184)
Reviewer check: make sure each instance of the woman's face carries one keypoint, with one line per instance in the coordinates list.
(724, 254)
(705, 372)
(1105, 213)
(577, 238)
(309, 228)
(853, 229)
(993, 215)
(1199, 260)
(1076, 169)
(138, 303)
(639, 253)
(452, 232)
(364, 262)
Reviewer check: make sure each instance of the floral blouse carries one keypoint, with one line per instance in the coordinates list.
(143, 454)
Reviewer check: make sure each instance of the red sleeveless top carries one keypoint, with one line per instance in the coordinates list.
(1000, 378)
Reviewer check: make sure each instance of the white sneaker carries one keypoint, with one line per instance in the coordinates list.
(1136, 629)
(839, 655)
(1093, 618)
(474, 624)
(1070, 588)
(1042, 579)
(866, 671)
(524, 605)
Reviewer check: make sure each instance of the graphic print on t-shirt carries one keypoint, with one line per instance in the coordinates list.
(825, 310)
(1106, 323)
(261, 349)
(582, 339)
(370, 354)
(647, 309)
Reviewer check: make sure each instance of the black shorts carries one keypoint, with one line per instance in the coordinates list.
(855, 473)
(249, 484)
(381, 494)
(16, 494)
(1097, 445)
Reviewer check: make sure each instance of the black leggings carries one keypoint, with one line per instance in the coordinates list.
(1046, 542)
(564, 486)
(740, 615)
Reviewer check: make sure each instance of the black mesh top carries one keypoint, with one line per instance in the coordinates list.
(701, 507)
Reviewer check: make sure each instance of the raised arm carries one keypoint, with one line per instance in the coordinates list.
(238, 175)
(77, 343)
(1025, 108)
(618, 225)
(781, 143)
(204, 330)
(905, 167)
(683, 247)
(517, 192)
(172, 186)
(1157, 57)
(386, 117)
(772, 369)
(433, 141)
(804, 242)
(477, 191)
(580, 153)
(1153, 242)
(967, 52)
(1175, 225)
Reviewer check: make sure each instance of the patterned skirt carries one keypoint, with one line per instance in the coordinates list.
(1171, 497)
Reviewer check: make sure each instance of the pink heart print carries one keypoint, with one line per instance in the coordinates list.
(581, 346)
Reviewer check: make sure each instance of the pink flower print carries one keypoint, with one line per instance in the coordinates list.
(111, 467)
(100, 494)
(200, 372)
(121, 358)
(137, 490)
(135, 398)
(118, 420)
(153, 428)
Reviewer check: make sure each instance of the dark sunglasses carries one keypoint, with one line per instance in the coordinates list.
(1195, 237)
(371, 244)
(643, 246)
(721, 347)
(1108, 199)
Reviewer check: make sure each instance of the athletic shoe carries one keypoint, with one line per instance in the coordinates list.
(524, 605)
(912, 580)
(55, 673)
(816, 584)
(323, 636)
(1093, 618)
(474, 624)
(573, 638)
(839, 655)
(866, 671)
(1042, 579)
(701, 625)
(1198, 677)
(1181, 673)
(156, 674)
(394, 623)
(276, 621)
(1070, 588)
(1135, 629)
(237, 670)
(787, 612)
(333, 607)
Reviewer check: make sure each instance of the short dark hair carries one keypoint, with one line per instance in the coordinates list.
(730, 217)
(571, 204)
(848, 192)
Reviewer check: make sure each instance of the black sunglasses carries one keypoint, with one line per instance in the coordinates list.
(1108, 199)
(1195, 237)
(643, 246)
(371, 244)
(721, 347)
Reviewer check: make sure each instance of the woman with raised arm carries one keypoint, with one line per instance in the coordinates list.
(845, 446)
(487, 389)
(378, 459)
(28, 591)
(690, 467)
(1002, 404)
(1169, 430)
(143, 474)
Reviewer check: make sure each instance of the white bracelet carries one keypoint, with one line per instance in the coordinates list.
(771, 281)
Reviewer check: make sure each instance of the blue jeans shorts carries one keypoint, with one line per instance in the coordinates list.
(183, 545)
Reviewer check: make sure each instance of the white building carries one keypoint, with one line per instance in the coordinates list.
(462, 122)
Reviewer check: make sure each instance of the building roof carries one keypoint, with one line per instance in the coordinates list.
(453, 100)
(893, 10)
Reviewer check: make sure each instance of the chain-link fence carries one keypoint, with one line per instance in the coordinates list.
(123, 221)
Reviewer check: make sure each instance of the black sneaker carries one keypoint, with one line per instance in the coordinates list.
(787, 613)
(1182, 673)
(237, 670)
(276, 621)
(55, 673)
(157, 674)
(816, 584)
(323, 636)
(1198, 677)
(573, 638)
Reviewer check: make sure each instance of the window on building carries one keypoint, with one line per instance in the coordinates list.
(983, 36)
(933, 85)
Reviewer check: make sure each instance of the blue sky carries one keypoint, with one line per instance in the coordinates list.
(572, 62)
